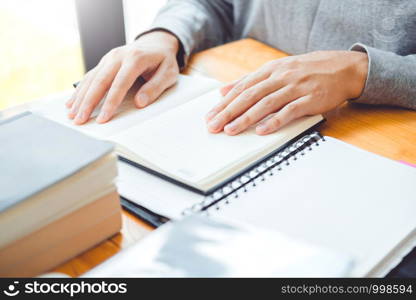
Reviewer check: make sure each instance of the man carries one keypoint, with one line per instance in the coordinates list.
(363, 51)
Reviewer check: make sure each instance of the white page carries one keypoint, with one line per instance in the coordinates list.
(178, 141)
(134, 184)
(187, 88)
(154, 193)
(336, 196)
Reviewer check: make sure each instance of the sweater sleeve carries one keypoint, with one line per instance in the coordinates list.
(391, 78)
(198, 24)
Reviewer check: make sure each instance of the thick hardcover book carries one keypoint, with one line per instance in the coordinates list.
(47, 172)
(36, 153)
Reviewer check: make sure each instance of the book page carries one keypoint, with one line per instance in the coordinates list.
(336, 196)
(187, 88)
(179, 143)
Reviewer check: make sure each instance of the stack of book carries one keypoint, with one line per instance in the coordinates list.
(57, 194)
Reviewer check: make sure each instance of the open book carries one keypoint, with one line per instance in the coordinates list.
(169, 138)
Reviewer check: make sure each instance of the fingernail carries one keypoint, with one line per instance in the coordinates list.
(102, 117)
(74, 110)
(232, 127)
(214, 125)
(143, 99)
(80, 117)
(210, 115)
(262, 128)
(70, 115)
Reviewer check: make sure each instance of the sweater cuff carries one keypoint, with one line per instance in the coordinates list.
(381, 85)
(370, 93)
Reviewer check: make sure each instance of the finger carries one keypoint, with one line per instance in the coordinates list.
(96, 91)
(123, 81)
(241, 86)
(75, 93)
(243, 102)
(288, 113)
(225, 89)
(267, 105)
(83, 88)
(80, 94)
(164, 77)
(71, 100)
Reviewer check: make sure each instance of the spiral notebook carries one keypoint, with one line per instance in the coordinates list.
(317, 189)
(328, 193)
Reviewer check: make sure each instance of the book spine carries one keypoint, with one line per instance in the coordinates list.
(63, 239)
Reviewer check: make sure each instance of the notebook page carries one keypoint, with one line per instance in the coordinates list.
(336, 196)
(179, 143)
(187, 88)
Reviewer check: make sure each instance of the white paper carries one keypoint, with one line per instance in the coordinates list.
(337, 196)
(187, 88)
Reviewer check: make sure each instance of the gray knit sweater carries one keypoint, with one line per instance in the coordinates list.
(385, 29)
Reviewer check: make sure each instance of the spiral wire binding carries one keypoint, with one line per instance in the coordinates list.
(251, 178)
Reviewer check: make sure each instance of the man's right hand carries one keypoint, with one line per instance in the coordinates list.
(152, 56)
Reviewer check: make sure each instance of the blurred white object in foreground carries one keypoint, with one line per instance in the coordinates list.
(199, 246)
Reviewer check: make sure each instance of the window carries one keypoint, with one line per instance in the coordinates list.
(138, 15)
(40, 50)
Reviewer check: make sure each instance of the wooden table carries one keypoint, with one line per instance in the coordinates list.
(390, 132)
